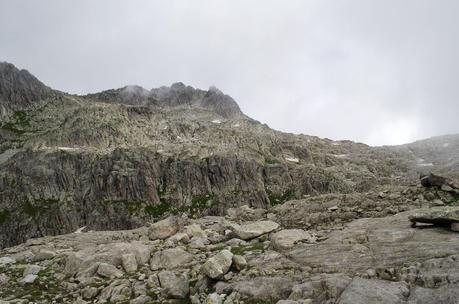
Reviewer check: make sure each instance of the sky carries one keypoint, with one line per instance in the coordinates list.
(380, 72)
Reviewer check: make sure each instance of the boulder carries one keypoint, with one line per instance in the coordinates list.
(4, 279)
(213, 298)
(109, 271)
(89, 292)
(6, 260)
(253, 230)
(433, 180)
(174, 286)
(129, 262)
(44, 254)
(218, 265)
(286, 239)
(437, 216)
(117, 291)
(28, 279)
(170, 259)
(239, 262)
(141, 300)
(31, 269)
(164, 228)
(194, 230)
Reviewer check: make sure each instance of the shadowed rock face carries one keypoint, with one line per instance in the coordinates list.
(19, 87)
(120, 158)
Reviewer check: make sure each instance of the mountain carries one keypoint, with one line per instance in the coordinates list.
(240, 212)
(120, 158)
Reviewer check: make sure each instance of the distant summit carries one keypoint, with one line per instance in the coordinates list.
(19, 87)
(178, 94)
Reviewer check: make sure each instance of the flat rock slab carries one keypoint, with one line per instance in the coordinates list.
(436, 216)
(364, 291)
(253, 230)
(287, 238)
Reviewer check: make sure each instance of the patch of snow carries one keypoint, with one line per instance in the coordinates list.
(425, 164)
(68, 148)
(216, 121)
(236, 125)
(292, 159)
(80, 230)
(336, 144)
(165, 128)
(445, 145)
(340, 155)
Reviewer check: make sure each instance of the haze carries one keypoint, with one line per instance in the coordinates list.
(378, 72)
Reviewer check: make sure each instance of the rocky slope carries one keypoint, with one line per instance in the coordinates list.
(120, 158)
(324, 249)
(242, 213)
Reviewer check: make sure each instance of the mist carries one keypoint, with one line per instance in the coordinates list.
(378, 72)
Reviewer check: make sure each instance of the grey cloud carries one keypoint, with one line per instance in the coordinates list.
(379, 72)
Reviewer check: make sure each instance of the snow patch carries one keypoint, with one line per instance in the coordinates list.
(425, 164)
(216, 121)
(340, 155)
(445, 145)
(80, 230)
(68, 148)
(292, 159)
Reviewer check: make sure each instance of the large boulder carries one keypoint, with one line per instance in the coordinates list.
(109, 271)
(437, 216)
(129, 262)
(170, 259)
(433, 180)
(218, 265)
(253, 230)
(164, 228)
(174, 286)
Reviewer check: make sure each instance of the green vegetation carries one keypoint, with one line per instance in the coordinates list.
(45, 288)
(276, 199)
(200, 203)
(241, 250)
(158, 210)
(18, 123)
(271, 161)
(37, 207)
(4, 215)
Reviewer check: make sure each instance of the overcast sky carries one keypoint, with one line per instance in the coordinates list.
(378, 72)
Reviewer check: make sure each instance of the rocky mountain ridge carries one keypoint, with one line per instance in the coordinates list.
(210, 206)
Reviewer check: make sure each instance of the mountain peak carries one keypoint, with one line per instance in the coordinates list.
(19, 87)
